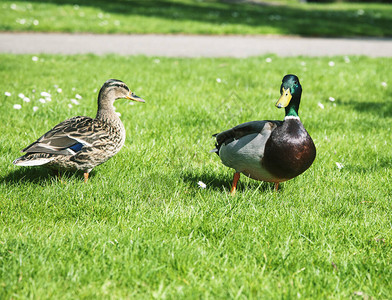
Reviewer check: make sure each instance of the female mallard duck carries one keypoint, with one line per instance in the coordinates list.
(82, 143)
(273, 151)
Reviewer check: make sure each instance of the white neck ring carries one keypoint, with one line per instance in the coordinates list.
(291, 118)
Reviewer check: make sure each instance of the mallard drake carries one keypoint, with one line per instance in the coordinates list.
(272, 151)
(82, 143)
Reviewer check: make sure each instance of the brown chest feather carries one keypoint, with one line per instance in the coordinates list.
(289, 151)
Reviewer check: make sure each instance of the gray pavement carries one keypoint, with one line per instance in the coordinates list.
(190, 45)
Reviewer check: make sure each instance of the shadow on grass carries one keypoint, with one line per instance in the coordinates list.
(378, 108)
(218, 183)
(38, 175)
(298, 20)
(382, 163)
(375, 108)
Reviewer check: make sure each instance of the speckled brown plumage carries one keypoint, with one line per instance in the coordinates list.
(82, 143)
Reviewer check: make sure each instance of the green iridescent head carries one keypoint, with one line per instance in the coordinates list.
(290, 95)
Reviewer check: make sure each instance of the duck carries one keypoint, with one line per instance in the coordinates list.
(82, 143)
(272, 151)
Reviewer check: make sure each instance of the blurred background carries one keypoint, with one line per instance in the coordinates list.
(327, 18)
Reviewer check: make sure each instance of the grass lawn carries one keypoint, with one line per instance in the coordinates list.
(143, 228)
(197, 17)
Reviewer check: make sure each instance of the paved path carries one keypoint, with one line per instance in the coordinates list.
(190, 45)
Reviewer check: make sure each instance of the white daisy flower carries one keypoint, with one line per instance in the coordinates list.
(42, 100)
(339, 165)
(35, 108)
(346, 59)
(45, 94)
(268, 59)
(34, 58)
(77, 96)
(20, 95)
(74, 101)
(17, 106)
(331, 63)
(202, 184)
(70, 105)
(384, 84)
(59, 90)
(13, 6)
(35, 22)
(8, 94)
(332, 99)
(218, 80)
(26, 99)
(157, 61)
(321, 105)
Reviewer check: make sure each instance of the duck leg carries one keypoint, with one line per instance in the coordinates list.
(85, 177)
(86, 174)
(276, 186)
(235, 181)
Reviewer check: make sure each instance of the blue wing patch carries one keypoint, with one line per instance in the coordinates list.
(77, 147)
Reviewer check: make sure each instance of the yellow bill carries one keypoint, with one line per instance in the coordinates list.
(284, 99)
(132, 96)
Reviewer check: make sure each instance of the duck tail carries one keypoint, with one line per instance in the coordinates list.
(31, 160)
(217, 146)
